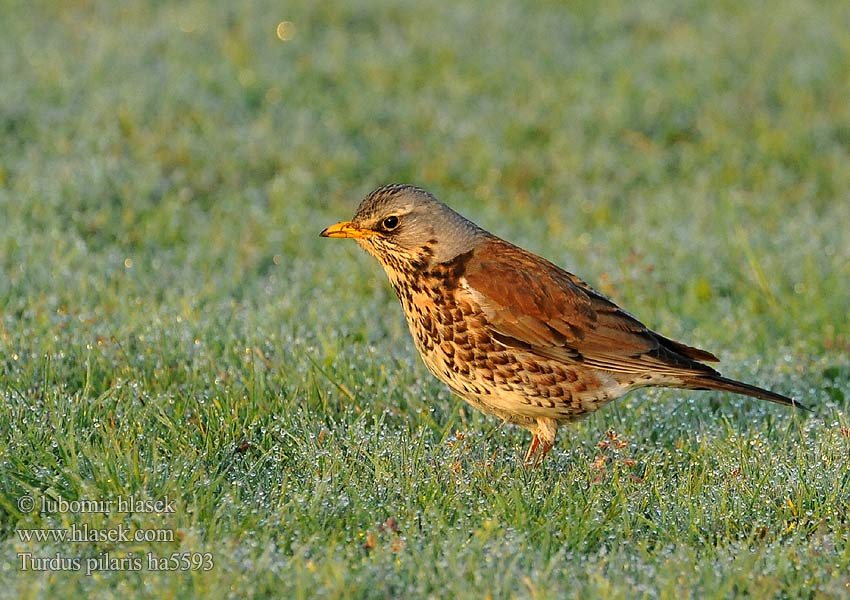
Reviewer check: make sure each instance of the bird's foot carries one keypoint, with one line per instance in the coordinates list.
(532, 448)
(533, 458)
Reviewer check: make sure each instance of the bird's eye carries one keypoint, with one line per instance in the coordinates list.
(389, 223)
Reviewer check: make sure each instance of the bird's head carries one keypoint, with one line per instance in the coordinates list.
(405, 227)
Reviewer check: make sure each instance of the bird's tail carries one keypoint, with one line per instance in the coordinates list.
(717, 382)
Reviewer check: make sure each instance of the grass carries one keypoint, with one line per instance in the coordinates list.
(172, 326)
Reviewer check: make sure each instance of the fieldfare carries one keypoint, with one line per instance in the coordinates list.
(509, 332)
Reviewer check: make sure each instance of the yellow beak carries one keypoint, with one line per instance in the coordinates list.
(346, 229)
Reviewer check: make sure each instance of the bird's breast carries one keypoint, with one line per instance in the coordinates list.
(440, 320)
(454, 338)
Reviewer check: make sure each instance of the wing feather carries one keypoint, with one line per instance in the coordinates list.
(534, 304)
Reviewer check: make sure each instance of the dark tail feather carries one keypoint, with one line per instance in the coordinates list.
(685, 350)
(717, 382)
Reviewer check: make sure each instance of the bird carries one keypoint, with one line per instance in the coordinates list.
(511, 333)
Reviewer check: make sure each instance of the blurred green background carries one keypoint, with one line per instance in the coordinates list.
(172, 325)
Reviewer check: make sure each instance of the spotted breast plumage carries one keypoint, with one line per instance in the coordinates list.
(508, 331)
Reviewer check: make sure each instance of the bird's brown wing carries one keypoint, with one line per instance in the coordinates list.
(531, 303)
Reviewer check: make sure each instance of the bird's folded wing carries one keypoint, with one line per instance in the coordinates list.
(530, 302)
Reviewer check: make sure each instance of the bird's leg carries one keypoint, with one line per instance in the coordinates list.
(543, 438)
(544, 450)
(538, 457)
(532, 448)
